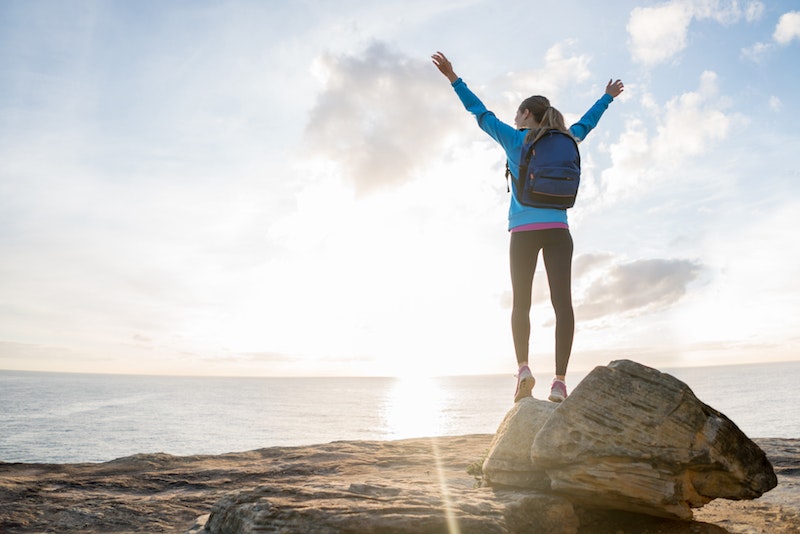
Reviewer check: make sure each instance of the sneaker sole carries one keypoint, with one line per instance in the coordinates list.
(556, 398)
(525, 388)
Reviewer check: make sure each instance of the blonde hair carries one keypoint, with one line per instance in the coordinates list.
(550, 119)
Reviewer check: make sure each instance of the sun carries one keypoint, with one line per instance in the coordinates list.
(414, 408)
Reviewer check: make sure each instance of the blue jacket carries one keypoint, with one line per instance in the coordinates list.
(512, 140)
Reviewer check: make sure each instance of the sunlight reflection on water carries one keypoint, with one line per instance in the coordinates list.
(414, 408)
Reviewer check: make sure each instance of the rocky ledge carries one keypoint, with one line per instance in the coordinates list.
(445, 484)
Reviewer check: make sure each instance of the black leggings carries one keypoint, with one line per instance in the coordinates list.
(556, 246)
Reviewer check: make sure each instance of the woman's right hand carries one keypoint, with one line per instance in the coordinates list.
(444, 66)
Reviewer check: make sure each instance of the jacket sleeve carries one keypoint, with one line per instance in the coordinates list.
(501, 132)
(586, 124)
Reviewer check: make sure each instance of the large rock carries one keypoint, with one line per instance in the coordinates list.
(632, 438)
(508, 462)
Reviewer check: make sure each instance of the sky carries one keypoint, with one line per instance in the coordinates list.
(291, 188)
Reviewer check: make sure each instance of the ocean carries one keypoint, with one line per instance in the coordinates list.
(73, 418)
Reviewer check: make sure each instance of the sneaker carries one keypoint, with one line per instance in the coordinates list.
(558, 391)
(525, 382)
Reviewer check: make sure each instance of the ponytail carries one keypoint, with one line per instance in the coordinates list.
(552, 119)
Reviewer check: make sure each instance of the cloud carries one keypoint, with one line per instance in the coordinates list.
(604, 285)
(757, 51)
(754, 11)
(380, 116)
(788, 28)
(693, 120)
(725, 11)
(686, 126)
(586, 263)
(562, 68)
(631, 159)
(636, 287)
(658, 33)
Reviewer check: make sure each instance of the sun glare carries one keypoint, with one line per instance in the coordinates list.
(414, 408)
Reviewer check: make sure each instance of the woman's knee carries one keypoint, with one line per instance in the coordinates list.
(563, 309)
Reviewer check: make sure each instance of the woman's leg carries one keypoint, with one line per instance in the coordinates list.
(557, 255)
(523, 252)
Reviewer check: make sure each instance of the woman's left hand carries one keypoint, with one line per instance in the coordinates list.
(614, 89)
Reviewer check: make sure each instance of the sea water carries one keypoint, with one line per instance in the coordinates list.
(68, 418)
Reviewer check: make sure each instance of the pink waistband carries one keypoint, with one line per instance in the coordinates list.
(539, 226)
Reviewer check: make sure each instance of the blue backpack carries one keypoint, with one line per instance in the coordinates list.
(549, 172)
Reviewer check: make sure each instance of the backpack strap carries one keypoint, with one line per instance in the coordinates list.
(508, 171)
(523, 166)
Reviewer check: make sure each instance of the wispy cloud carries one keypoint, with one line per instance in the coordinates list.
(757, 51)
(786, 30)
(564, 67)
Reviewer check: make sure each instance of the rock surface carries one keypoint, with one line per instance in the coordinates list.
(633, 438)
(321, 484)
(508, 462)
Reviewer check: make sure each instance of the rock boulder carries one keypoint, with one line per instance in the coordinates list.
(508, 461)
(633, 438)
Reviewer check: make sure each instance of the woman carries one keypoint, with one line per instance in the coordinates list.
(534, 229)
